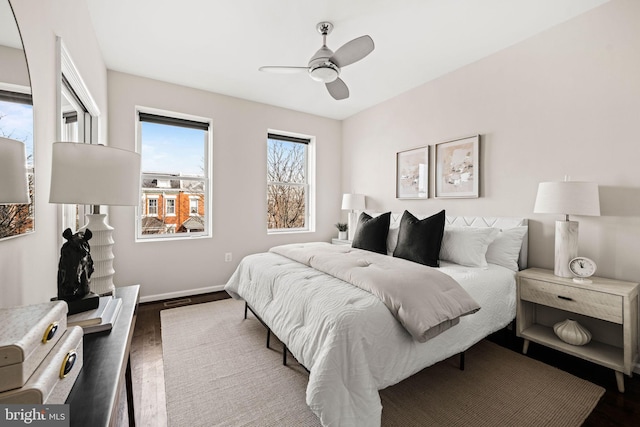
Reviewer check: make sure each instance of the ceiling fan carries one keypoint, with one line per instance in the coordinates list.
(325, 65)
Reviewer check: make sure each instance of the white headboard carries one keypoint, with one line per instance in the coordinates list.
(475, 221)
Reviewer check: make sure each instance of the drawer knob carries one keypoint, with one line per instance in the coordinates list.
(67, 363)
(50, 332)
(565, 298)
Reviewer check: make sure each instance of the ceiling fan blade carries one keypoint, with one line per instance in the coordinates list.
(353, 51)
(338, 89)
(282, 69)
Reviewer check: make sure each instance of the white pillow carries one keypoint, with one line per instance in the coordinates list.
(467, 245)
(505, 249)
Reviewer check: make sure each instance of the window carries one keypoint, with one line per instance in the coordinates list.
(152, 206)
(290, 175)
(193, 206)
(175, 175)
(77, 123)
(16, 122)
(170, 206)
(78, 120)
(75, 127)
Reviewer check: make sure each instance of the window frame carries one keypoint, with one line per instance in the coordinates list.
(174, 118)
(310, 178)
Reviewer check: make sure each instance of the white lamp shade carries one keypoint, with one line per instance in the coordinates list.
(353, 202)
(14, 187)
(568, 198)
(94, 174)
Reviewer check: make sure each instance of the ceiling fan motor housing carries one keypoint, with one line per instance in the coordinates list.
(321, 68)
(325, 72)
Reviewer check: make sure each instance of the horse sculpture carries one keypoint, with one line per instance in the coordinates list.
(76, 266)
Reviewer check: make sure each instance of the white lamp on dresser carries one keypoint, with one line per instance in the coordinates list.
(567, 198)
(353, 203)
(92, 174)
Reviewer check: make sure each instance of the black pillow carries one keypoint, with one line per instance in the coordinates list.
(371, 233)
(420, 240)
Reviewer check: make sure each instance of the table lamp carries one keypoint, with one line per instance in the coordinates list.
(92, 174)
(14, 187)
(567, 198)
(353, 203)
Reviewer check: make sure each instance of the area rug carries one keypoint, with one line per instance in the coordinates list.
(218, 372)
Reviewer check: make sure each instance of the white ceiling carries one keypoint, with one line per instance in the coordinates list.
(218, 45)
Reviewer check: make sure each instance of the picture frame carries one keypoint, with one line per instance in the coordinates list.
(412, 173)
(457, 168)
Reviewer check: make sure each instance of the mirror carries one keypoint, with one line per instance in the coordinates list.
(16, 117)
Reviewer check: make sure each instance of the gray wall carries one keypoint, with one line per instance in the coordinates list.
(176, 268)
(565, 102)
(29, 264)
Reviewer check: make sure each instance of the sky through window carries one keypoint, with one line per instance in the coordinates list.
(172, 149)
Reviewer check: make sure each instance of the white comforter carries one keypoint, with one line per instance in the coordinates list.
(424, 311)
(347, 337)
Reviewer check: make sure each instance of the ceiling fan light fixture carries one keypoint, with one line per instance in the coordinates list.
(325, 65)
(325, 73)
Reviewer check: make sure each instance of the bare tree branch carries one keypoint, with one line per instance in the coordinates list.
(286, 198)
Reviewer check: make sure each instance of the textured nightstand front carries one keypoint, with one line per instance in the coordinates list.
(573, 298)
(603, 300)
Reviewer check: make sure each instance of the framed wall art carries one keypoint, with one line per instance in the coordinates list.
(458, 167)
(412, 173)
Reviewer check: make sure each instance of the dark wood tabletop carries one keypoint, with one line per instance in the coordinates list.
(94, 396)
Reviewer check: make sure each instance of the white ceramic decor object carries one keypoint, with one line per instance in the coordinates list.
(572, 332)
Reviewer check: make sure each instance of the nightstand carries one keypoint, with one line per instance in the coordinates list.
(607, 308)
(340, 242)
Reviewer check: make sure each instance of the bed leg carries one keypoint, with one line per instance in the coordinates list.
(284, 355)
(268, 337)
(462, 361)
(246, 306)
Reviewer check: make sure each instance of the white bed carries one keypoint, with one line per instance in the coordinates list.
(347, 337)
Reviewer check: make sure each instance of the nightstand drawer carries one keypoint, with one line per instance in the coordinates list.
(577, 300)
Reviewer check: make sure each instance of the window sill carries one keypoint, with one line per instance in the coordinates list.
(278, 232)
(173, 238)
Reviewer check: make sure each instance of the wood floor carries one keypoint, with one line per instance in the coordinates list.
(147, 371)
(614, 409)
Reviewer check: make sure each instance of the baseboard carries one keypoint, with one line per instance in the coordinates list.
(180, 294)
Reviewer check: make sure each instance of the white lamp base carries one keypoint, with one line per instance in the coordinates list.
(101, 253)
(353, 223)
(566, 247)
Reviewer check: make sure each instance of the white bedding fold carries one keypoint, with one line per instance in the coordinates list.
(424, 300)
